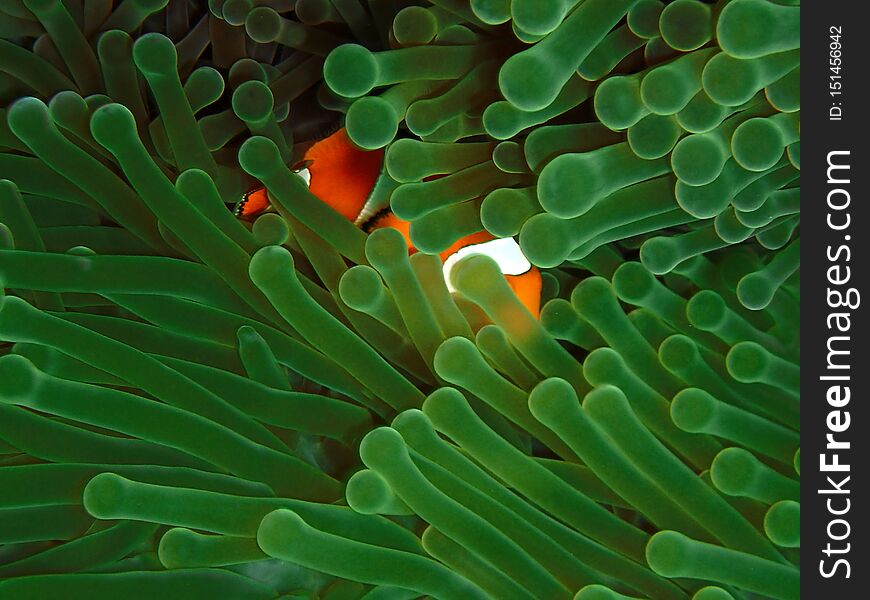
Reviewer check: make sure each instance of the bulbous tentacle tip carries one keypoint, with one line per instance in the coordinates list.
(114, 46)
(173, 550)
(402, 159)
(491, 12)
(67, 104)
(552, 397)
(155, 54)
(454, 357)
(654, 136)
(10, 303)
(270, 263)
(692, 409)
(567, 185)
(733, 470)
(278, 529)
(589, 292)
(499, 120)
(18, 376)
(755, 291)
(729, 81)
(263, 24)
(662, 89)
(698, 159)
(208, 78)
(253, 101)
(247, 333)
(666, 552)
(633, 282)
(413, 423)
(617, 102)
(603, 397)
(381, 446)
(361, 288)
(27, 117)
(351, 71)
(271, 229)
(7, 242)
(747, 361)
(678, 351)
(104, 494)
(660, 255)
(414, 25)
(712, 593)
(686, 25)
(236, 11)
(386, 247)
(371, 123)
(544, 242)
(757, 144)
(603, 365)
(368, 493)
(753, 28)
(526, 80)
(112, 123)
(475, 275)
(782, 524)
(535, 18)
(7, 186)
(81, 251)
(259, 157)
(444, 402)
(599, 592)
(706, 310)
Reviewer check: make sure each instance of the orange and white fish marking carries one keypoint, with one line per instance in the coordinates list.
(523, 278)
(344, 176)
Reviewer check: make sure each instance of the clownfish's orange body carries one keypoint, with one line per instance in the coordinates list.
(527, 287)
(344, 176)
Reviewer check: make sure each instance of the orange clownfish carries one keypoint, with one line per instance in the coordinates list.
(346, 178)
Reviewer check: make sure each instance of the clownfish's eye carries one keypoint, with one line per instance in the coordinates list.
(305, 174)
(505, 252)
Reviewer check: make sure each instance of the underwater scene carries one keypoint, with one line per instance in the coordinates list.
(399, 299)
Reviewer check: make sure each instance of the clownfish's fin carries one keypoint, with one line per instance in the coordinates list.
(253, 204)
(342, 175)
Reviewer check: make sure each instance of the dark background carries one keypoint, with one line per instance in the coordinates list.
(819, 136)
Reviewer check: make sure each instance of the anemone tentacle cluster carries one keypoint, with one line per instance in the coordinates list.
(288, 405)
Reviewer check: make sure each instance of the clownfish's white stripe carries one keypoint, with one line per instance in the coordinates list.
(505, 252)
(305, 174)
